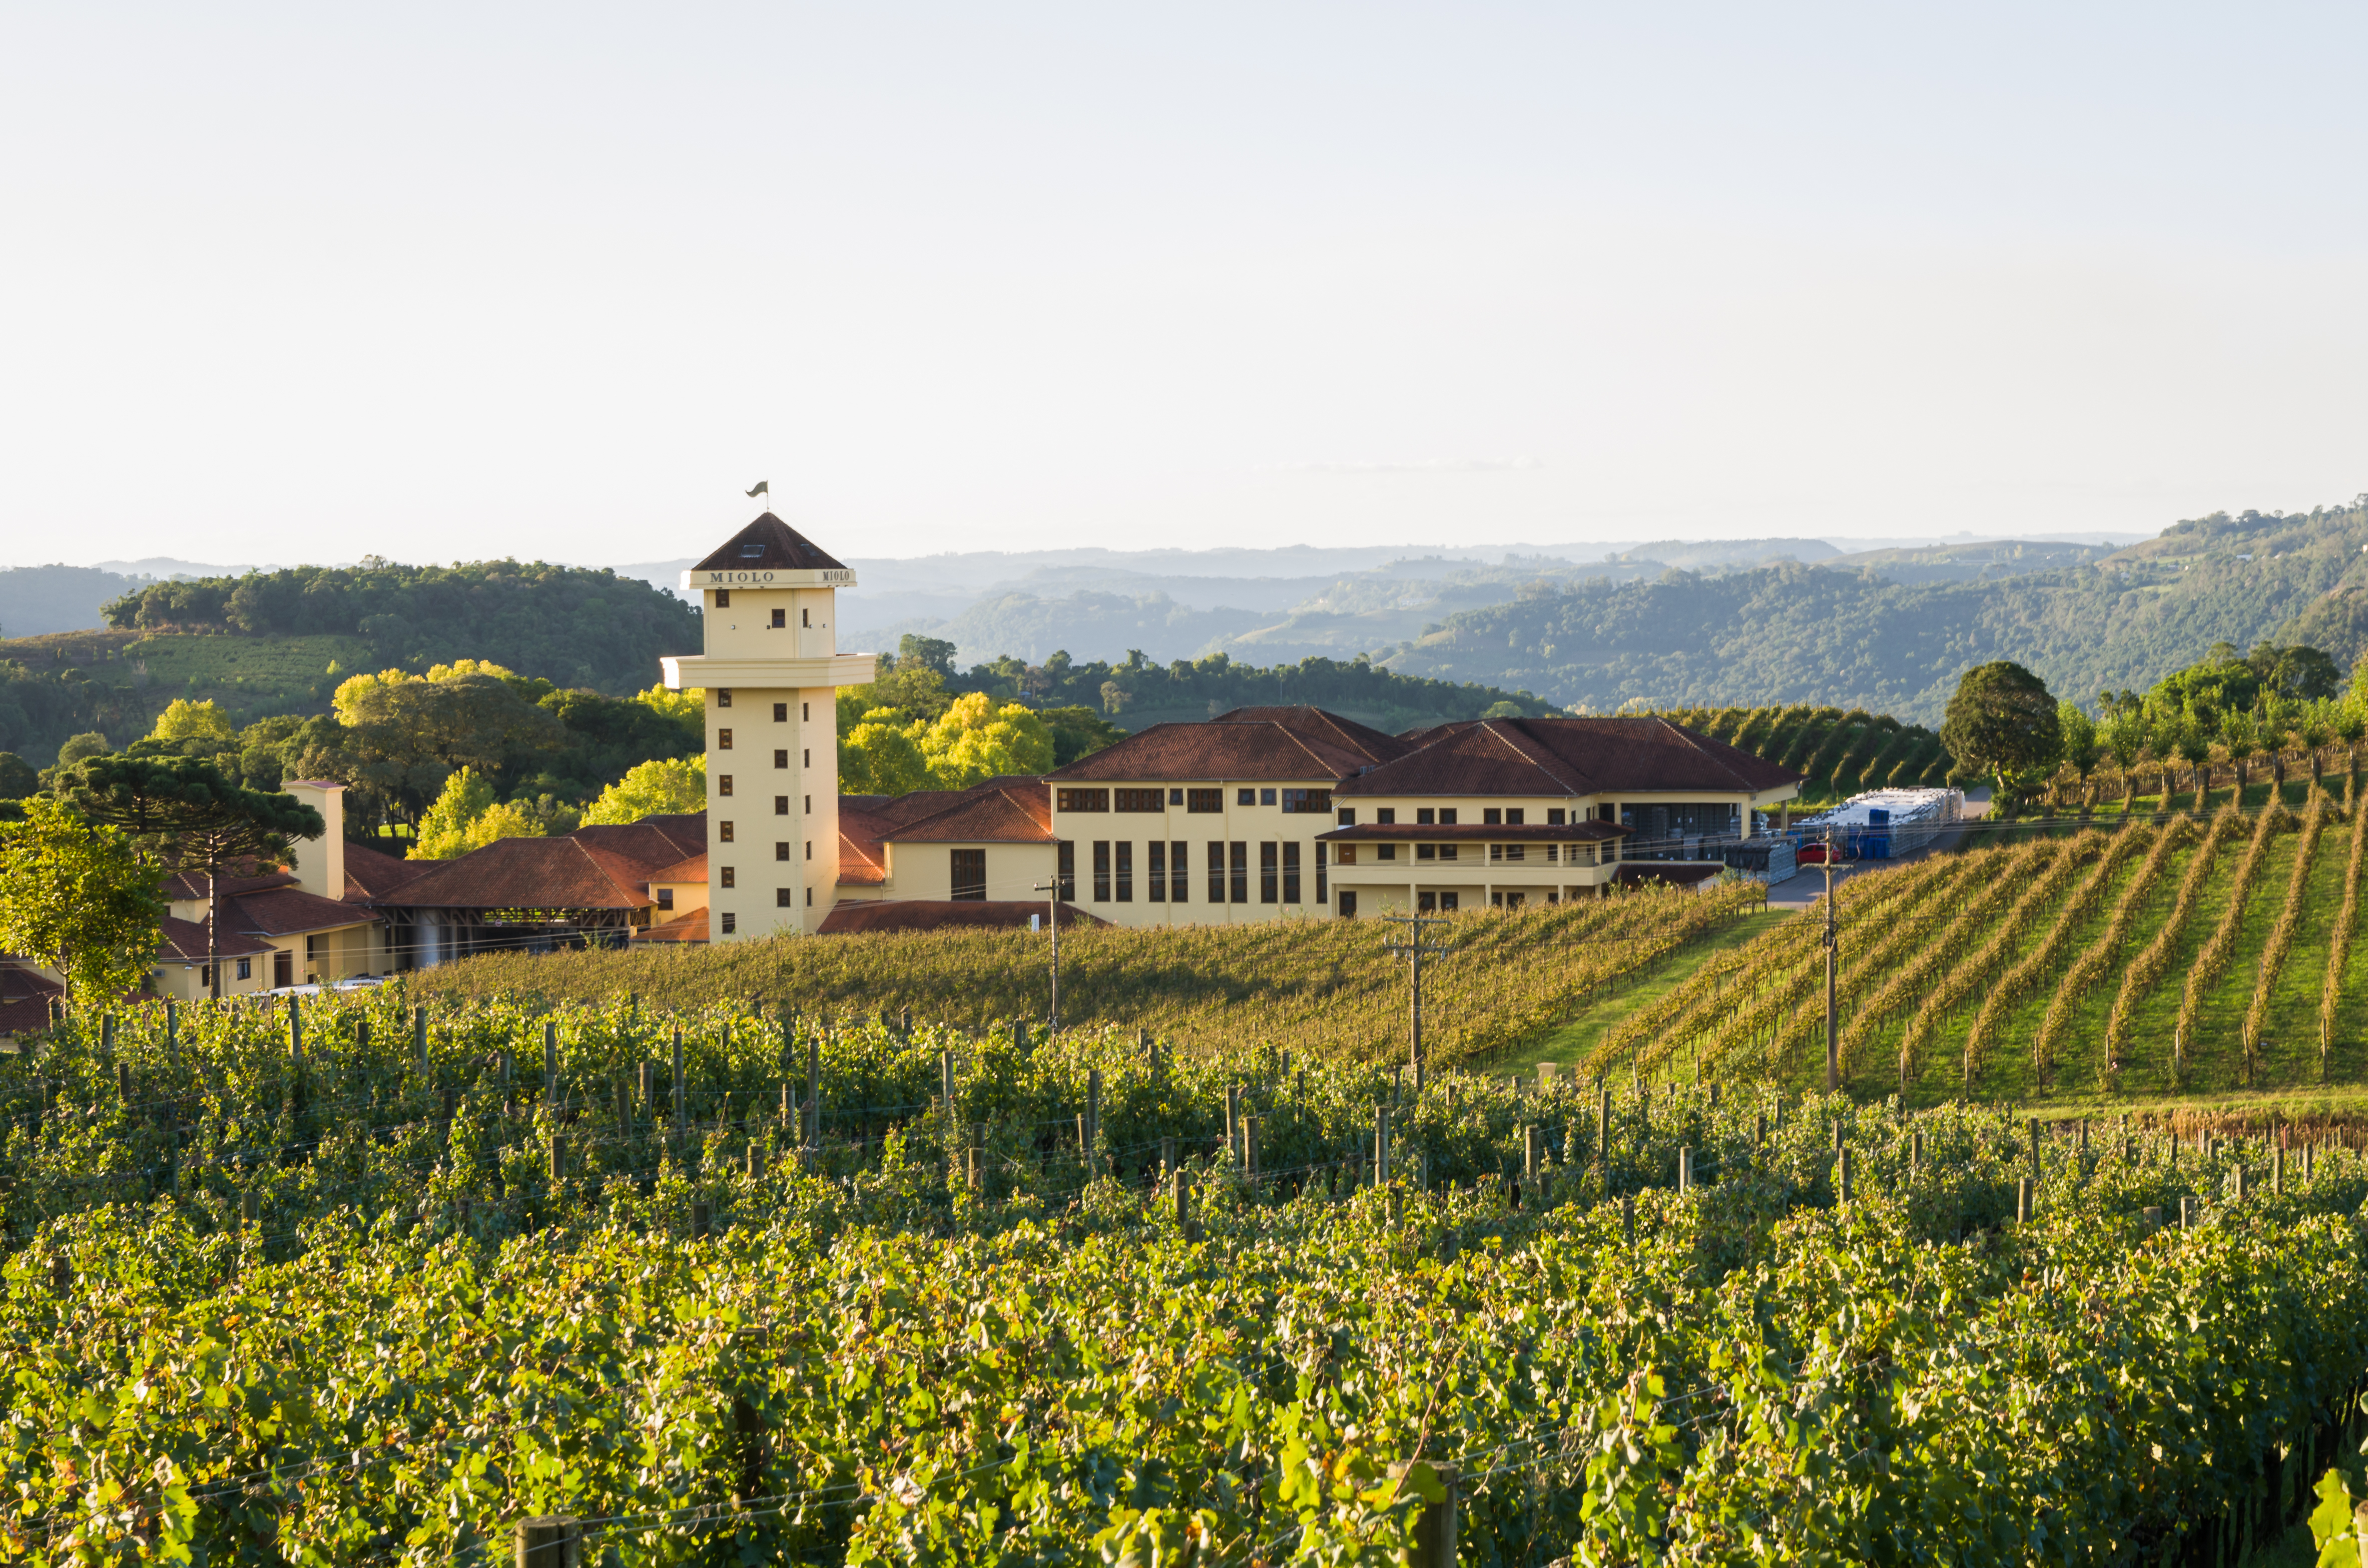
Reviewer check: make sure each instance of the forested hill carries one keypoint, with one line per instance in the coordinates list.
(1788, 633)
(574, 625)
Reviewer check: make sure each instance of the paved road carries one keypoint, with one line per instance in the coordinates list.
(1809, 885)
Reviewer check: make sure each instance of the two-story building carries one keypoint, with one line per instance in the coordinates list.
(1506, 811)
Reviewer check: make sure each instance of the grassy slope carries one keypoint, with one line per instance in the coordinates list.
(1572, 1041)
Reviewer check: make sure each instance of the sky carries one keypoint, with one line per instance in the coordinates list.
(302, 282)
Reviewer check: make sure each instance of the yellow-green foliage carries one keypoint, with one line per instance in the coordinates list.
(1323, 987)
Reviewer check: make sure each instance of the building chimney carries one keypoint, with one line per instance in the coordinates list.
(320, 863)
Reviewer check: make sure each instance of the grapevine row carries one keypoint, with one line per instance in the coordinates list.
(1974, 969)
(2212, 961)
(2347, 920)
(2094, 963)
(2282, 935)
(2018, 981)
(2154, 962)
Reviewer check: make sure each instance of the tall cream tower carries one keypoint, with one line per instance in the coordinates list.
(771, 672)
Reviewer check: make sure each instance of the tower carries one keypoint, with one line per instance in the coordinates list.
(771, 672)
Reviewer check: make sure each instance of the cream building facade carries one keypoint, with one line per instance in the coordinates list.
(771, 670)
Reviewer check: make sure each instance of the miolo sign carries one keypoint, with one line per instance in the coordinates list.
(762, 579)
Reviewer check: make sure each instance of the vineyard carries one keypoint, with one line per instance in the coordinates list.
(2127, 956)
(1314, 987)
(1835, 753)
(373, 1281)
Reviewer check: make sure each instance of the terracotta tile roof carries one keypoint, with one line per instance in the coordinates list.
(290, 911)
(186, 941)
(768, 543)
(1020, 814)
(693, 869)
(652, 842)
(534, 874)
(373, 873)
(193, 884)
(1329, 728)
(1400, 833)
(691, 927)
(25, 1000)
(1570, 756)
(1309, 744)
(937, 914)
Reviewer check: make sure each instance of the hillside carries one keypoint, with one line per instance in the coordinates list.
(1859, 638)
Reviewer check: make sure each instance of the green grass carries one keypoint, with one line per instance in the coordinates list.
(1572, 1042)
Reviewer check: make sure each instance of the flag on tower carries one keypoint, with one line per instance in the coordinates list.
(763, 488)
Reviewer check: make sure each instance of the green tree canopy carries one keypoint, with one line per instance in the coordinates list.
(660, 787)
(76, 897)
(195, 818)
(2002, 723)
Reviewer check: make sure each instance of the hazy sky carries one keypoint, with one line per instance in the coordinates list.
(304, 281)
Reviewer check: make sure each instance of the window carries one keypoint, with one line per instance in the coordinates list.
(728, 880)
(780, 712)
(1291, 873)
(723, 833)
(1323, 883)
(1492, 817)
(809, 898)
(1425, 817)
(1500, 853)
(809, 849)
(1610, 851)
(1447, 903)
(1216, 873)
(780, 805)
(1387, 816)
(1553, 854)
(784, 898)
(1204, 800)
(805, 618)
(1307, 801)
(1179, 857)
(1140, 800)
(781, 756)
(1241, 872)
(1506, 900)
(1386, 851)
(781, 618)
(1083, 800)
(205, 977)
(1426, 903)
(1266, 872)
(1157, 891)
(781, 849)
(1347, 906)
(1447, 852)
(1067, 875)
(809, 805)
(805, 759)
(1266, 797)
(283, 968)
(1245, 798)
(724, 783)
(1554, 816)
(1346, 816)
(724, 696)
(969, 874)
(722, 598)
(1101, 870)
(724, 738)
(805, 712)
(1607, 812)
(731, 923)
(1447, 816)
(1426, 851)
(1175, 797)
(245, 970)
(1125, 872)
(752, 549)
(1514, 815)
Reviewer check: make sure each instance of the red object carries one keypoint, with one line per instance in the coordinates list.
(1813, 854)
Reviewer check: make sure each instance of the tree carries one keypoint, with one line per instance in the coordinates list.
(17, 779)
(77, 898)
(408, 735)
(1078, 730)
(653, 789)
(466, 816)
(2080, 744)
(89, 744)
(929, 653)
(876, 757)
(196, 818)
(2002, 723)
(976, 741)
(184, 722)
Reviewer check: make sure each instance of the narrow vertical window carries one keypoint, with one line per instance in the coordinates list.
(1216, 871)
(1322, 885)
(1125, 848)
(1157, 891)
(1180, 855)
(723, 740)
(1101, 870)
(1241, 872)
(1068, 873)
(1266, 872)
(1291, 873)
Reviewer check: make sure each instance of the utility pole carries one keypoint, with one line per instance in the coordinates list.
(1833, 953)
(1051, 892)
(1413, 949)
